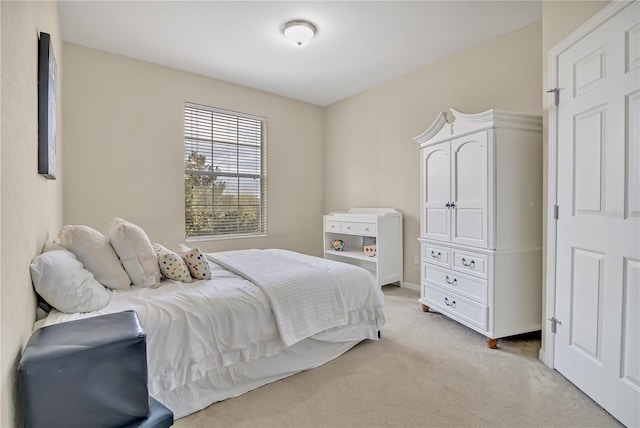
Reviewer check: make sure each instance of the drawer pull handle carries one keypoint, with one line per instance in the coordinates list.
(436, 255)
(455, 280)
(452, 304)
(349, 227)
(448, 205)
(366, 228)
(468, 264)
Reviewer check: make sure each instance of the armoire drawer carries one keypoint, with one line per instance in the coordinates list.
(435, 254)
(456, 306)
(470, 263)
(453, 282)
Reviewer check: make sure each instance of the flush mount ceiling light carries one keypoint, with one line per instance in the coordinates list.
(299, 31)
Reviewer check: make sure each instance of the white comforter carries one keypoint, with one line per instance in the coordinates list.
(300, 311)
(197, 327)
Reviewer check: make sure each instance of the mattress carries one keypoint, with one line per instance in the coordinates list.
(214, 339)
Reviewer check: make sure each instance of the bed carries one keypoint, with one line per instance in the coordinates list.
(213, 339)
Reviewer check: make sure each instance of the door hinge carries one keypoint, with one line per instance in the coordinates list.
(554, 324)
(556, 210)
(556, 93)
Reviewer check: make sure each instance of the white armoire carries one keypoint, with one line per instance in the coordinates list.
(481, 221)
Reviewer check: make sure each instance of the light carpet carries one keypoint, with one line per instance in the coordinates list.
(426, 371)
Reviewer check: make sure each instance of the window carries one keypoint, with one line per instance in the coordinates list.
(224, 173)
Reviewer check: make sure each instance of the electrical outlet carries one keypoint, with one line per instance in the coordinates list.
(416, 259)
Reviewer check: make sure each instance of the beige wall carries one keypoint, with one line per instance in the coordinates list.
(31, 205)
(124, 150)
(370, 157)
(559, 19)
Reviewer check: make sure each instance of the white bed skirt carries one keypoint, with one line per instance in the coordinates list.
(232, 381)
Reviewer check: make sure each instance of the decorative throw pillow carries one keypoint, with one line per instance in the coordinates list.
(171, 264)
(197, 262)
(135, 250)
(62, 281)
(95, 252)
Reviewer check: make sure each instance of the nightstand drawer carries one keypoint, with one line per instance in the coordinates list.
(471, 263)
(453, 282)
(435, 254)
(367, 229)
(456, 306)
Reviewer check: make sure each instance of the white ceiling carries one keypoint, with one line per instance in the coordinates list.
(358, 45)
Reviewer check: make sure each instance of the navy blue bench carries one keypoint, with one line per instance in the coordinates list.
(89, 373)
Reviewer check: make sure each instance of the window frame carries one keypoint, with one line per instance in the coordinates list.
(210, 234)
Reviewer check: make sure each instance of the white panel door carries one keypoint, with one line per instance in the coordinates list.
(436, 192)
(469, 189)
(598, 233)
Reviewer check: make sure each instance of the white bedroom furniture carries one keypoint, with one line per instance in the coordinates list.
(480, 221)
(359, 227)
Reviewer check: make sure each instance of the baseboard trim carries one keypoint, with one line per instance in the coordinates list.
(411, 286)
(546, 358)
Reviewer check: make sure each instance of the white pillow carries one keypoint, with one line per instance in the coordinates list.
(136, 252)
(196, 260)
(65, 284)
(171, 264)
(92, 248)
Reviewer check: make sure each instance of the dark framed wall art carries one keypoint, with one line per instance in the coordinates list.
(46, 108)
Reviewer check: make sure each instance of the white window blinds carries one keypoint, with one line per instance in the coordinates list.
(224, 173)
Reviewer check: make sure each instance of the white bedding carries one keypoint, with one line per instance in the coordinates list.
(209, 329)
(300, 312)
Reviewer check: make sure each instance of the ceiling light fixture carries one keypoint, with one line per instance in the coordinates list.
(299, 31)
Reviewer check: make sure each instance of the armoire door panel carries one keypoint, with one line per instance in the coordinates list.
(437, 223)
(469, 181)
(469, 224)
(437, 192)
(469, 176)
(437, 179)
